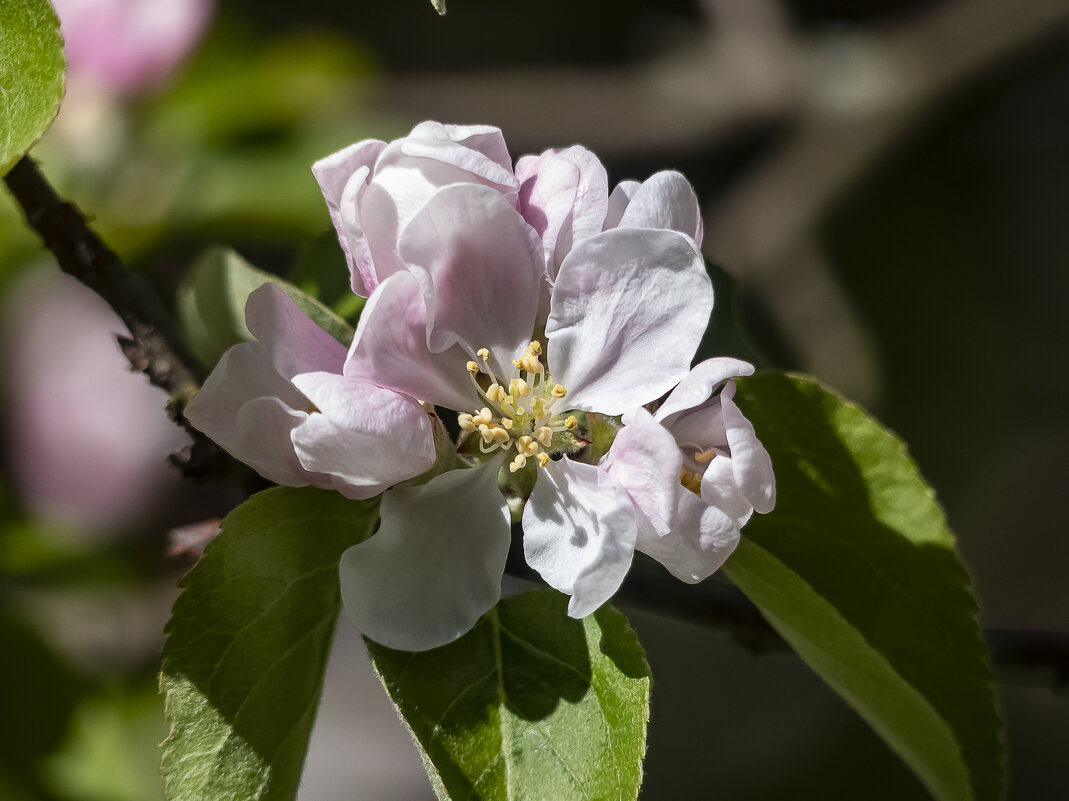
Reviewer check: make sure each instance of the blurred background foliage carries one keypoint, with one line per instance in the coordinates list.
(885, 184)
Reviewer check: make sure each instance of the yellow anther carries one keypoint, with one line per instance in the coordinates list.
(483, 417)
(545, 435)
(517, 463)
(507, 422)
(690, 480)
(543, 459)
(705, 456)
(501, 436)
(519, 388)
(526, 446)
(517, 363)
(496, 393)
(465, 422)
(535, 348)
(487, 433)
(483, 354)
(530, 363)
(473, 368)
(571, 423)
(559, 391)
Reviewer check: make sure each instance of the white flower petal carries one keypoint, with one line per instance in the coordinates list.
(390, 349)
(435, 564)
(720, 488)
(701, 539)
(564, 197)
(665, 200)
(750, 460)
(363, 274)
(333, 174)
(645, 460)
(579, 533)
(618, 203)
(289, 340)
(243, 374)
(262, 441)
(628, 310)
(479, 150)
(368, 437)
(697, 386)
(480, 266)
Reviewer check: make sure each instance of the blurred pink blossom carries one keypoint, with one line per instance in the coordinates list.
(87, 440)
(129, 46)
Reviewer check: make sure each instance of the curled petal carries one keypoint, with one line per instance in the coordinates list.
(390, 348)
(289, 340)
(479, 150)
(645, 460)
(434, 566)
(368, 437)
(697, 386)
(564, 197)
(579, 533)
(342, 176)
(720, 488)
(480, 266)
(665, 200)
(751, 462)
(701, 539)
(243, 374)
(627, 312)
(262, 440)
(618, 202)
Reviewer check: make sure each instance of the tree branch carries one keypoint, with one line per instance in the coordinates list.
(154, 347)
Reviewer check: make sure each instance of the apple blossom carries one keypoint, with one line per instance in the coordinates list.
(522, 302)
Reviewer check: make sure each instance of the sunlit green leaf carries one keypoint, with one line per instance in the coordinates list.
(857, 570)
(31, 75)
(529, 704)
(211, 304)
(247, 645)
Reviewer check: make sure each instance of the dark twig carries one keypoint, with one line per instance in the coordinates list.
(154, 347)
(1021, 656)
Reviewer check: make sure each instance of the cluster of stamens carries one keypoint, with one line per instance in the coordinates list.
(521, 416)
(691, 479)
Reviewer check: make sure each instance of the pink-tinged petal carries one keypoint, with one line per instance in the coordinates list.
(665, 200)
(290, 341)
(368, 437)
(262, 441)
(628, 310)
(750, 460)
(434, 566)
(390, 349)
(343, 177)
(697, 386)
(243, 374)
(700, 541)
(364, 275)
(720, 488)
(476, 149)
(618, 203)
(645, 460)
(579, 533)
(480, 266)
(564, 197)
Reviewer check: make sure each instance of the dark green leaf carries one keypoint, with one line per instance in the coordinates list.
(321, 271)
(211, 304)
(529, 704)
(856, 569)
(247, 645)
(31, 75)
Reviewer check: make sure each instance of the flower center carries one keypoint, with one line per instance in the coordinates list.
(692, 470)
(521, 416)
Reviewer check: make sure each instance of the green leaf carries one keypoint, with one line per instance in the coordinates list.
(211, 304)
(247, 645)
(31, 75)
(321, 271)
(529, 704)
(856, 569)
